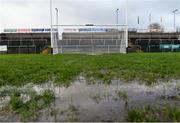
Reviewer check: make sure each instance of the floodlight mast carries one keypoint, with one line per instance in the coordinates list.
(117, 17)
(174, 11)
(150, 19)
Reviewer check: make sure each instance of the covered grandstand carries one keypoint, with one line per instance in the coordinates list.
(25, 41)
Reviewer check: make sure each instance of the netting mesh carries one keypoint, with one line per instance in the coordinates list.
(104, 39)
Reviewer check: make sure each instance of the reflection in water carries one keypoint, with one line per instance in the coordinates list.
(83, 101)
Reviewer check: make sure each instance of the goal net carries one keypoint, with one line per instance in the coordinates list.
(91, 39)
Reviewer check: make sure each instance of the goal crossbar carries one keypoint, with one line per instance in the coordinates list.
(110, 25)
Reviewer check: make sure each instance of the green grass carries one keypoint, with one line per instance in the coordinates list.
(62, 69)
(155, 114)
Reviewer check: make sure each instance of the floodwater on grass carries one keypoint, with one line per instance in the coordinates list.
(83, 101)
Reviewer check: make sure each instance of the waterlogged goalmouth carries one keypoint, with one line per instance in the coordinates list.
(91, 38)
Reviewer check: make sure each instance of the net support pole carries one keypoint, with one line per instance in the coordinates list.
(126, 14)
(51, 26)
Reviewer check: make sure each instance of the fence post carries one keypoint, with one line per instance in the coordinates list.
(77, 48)
(79, 41)
(19, 49)
(108, 48)
(35, 49)
(61, 49)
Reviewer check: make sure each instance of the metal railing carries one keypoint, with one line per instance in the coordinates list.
(90, 49)
(24, 46)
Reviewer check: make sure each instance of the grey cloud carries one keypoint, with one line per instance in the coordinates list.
(35, 13)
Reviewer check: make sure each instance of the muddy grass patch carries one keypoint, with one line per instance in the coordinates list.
(26, 102)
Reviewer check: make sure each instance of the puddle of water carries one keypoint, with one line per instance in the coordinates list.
(97, 102)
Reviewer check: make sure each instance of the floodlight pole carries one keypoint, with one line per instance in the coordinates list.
(150, 18)
(51, 26)
(175, 18)
(117, 17)
(161, 21)
(57, 17)
(150, 21)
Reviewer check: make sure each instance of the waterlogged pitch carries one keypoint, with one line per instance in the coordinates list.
(109, 87)
(61, 69)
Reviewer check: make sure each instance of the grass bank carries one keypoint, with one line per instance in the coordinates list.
(148, 68)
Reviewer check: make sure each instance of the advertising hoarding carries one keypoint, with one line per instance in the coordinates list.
(70, 30)
(28, 30)
(10, 30)
(170, 46)
(165, 46)
(3, 48)
(92, 30)
(23, 30)
(175, 46)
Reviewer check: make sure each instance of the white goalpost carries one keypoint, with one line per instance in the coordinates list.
(90, 38)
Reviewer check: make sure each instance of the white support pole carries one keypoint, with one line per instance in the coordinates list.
(57, 21)
(51, 25)
(126, 14)
(56, 36)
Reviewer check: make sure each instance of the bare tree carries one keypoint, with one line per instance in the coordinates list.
(155, 27)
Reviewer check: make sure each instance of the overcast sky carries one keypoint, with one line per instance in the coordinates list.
(35, 13)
